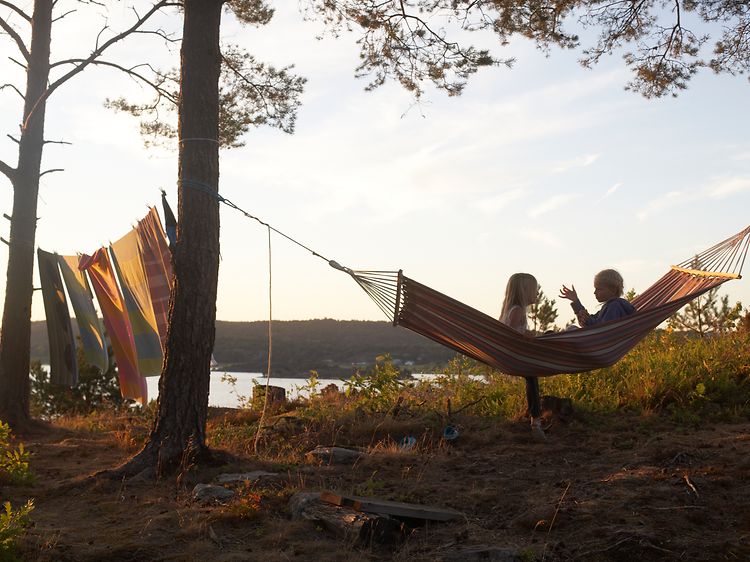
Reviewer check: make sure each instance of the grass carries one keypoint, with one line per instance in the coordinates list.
(688, 380)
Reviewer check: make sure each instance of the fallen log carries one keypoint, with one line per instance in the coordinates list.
(345, 523)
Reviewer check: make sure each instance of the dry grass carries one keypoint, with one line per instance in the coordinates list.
(603, 488)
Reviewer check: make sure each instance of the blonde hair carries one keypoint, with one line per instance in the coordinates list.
(612, 279)
(521, 291)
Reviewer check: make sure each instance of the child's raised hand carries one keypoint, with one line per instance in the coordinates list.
(569, 294)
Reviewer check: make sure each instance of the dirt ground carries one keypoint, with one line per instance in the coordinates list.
(612, 488)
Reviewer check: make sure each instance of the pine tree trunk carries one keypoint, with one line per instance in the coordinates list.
(16, 327)
(178, 435)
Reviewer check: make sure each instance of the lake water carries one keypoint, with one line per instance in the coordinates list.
(225, 394)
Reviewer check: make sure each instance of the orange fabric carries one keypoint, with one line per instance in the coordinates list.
(127, 262)
(117, 323)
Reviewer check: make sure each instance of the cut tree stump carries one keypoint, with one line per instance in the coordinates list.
(276, 395)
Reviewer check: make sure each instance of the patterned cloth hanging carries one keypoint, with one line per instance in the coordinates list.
(157, 261)
(90, 327)
(127, 262)
(117, 323)
(63, 368)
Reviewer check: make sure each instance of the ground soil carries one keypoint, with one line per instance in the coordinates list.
(617, 487)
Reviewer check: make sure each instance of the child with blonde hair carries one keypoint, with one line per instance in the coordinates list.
(520, 293)
(608, 288)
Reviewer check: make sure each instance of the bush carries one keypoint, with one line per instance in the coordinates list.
(687, 378)
(94, 391)
(14, 461)
(12, 524)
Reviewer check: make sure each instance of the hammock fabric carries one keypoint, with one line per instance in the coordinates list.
(479, 336)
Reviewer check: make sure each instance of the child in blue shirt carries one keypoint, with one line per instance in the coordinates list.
(608, 288)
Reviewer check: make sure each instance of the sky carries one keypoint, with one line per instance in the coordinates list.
(547, 168)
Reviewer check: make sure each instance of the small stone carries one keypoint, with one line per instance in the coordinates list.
(335, 455)
(208, 494)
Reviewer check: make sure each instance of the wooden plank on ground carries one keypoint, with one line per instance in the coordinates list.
(395, 509)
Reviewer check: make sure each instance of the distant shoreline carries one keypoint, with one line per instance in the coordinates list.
(334, 349)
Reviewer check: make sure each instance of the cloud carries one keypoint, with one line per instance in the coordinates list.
(544, 237)
(551, 204)
(611, 191)
(580, 162)
(669, 199)
(726, 187)
(498, 201)
(719, 189)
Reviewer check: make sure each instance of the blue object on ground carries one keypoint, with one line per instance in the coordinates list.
(450, 433)
(407, 443)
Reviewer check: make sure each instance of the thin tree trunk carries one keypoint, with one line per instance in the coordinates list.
(178, 436)
(16, 327)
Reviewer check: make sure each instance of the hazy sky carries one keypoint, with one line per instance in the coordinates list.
(546, 168)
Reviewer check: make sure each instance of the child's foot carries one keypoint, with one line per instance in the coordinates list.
(536, 430)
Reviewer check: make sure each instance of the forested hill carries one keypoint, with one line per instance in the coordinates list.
(334, 348)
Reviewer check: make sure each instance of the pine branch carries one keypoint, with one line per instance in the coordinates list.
(16, 37)
(12, 87)
(9, 172)
(129, 71)
(58, 18)
(16, 9)
(98, 52)
(51, 171)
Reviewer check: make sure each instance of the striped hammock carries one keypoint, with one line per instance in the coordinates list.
(479, 336)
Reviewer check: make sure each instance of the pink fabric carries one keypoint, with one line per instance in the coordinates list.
(117, 323)
(157, 261)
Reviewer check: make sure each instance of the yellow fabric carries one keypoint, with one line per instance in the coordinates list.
(132, 276)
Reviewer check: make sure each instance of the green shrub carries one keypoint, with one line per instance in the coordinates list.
(14, 461)
(687, 378)
(12, 524)
(94, 391)
(378, 389)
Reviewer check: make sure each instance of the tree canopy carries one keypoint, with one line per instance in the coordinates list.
(664, 43)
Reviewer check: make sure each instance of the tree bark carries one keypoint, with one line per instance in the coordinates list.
(16, 327)
(178, 436)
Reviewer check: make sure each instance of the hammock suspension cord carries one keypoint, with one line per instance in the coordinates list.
(270, 349)
(380, 286)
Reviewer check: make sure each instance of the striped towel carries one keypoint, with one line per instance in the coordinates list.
(157, 261)
(116, 321)
(62, 349)
(126, 257)
(89, 326)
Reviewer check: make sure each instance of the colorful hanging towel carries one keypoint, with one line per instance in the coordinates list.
(157, 260)
(62, 349)
(89, 326)
(126, 257)
(112, 305)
